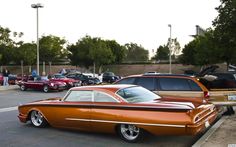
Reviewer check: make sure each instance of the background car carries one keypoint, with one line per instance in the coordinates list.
(173, 86)
(109, 77)
(38, 84)
(69, 81)
(85, 80)
(219, 80)
(127, 110)
(11, 79)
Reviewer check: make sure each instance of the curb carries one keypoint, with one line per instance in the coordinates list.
(10, 87)
(207, 135)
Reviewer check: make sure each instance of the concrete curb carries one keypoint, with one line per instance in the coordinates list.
(10, 87)
(207, 135)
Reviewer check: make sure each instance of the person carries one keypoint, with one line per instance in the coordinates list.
(5, 74)
(63, 71)
(34, 74)
(44, 76)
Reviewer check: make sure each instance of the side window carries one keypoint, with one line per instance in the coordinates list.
(79, 96)
(126, 81)
(194, 86)
(146, 82)
(174, 84)
(102, 97)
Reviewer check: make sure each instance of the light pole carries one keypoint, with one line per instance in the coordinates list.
(36, 6)
(170, 41)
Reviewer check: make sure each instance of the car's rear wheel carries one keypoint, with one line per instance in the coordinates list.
(45, 88)
(22, 87)
(37, 119)
(130, 133)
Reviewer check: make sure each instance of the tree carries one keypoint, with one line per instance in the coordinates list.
(162, 53)
(51, 48)
(89, 51)
(117, 50)
(135, 52)
(175, 47)
(26, 53)
(8, 45)
(201, 51)
(225, 30)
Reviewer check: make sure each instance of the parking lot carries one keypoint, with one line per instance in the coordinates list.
(17, 134)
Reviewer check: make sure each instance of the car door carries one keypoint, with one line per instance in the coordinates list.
(179, 89)
(103, 112)
(74, 111)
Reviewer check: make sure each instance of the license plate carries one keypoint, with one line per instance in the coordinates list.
(207, 124)
(232, 97)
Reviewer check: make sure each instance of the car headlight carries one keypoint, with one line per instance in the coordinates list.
(52, 84)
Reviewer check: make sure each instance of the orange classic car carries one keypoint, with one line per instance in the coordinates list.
(127, 110)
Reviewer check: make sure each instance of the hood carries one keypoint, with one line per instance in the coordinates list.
(56, 99)
(207, 70)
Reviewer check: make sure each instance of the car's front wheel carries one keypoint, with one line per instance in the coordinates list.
(22, 87)
(130, 133)
(45, 88)
(37, 119)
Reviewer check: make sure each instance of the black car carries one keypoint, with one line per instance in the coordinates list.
(79, 76)
(109, 77)
(219, 80)
(84, 79)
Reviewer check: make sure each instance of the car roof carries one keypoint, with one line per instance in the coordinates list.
(112, 88)
(162, 75)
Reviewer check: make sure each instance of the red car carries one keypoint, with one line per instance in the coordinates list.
(11, 79)
(39, 84)
(69, 81)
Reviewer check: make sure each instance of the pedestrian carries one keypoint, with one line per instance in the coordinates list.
(5, 74)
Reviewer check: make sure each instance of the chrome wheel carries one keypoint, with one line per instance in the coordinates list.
(130, 133)
(45, 88)
(37, 119)
(22, 87)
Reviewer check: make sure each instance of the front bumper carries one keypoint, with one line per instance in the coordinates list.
(22, 118)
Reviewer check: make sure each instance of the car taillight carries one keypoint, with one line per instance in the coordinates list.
(206, 94)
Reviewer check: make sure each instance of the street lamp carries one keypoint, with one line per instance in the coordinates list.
(36, 6)
(170, 41)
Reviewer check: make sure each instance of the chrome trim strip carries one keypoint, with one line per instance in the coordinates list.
(120, 122)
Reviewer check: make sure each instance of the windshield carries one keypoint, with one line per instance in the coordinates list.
(137, 94)
(59, 76)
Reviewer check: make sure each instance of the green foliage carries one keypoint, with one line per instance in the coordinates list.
(201, 51)
(117, 50)
(26, 53)
(51, 48)
(135, 52)
(225, 30)
(88, 51)
(162, 53)
(5, 37)
(7, 54)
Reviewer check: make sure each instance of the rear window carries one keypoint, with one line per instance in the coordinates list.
(178, 84)
(126, 81)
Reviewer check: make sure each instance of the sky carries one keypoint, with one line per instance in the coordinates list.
(144, 22)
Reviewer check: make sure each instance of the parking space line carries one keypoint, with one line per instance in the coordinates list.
(8, 109)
